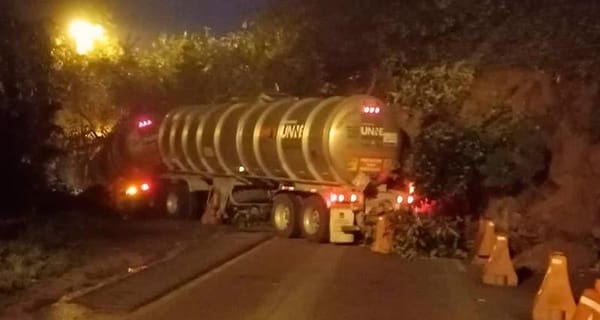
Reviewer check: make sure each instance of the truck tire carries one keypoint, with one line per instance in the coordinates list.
(179, 203)
(285, 215)
(315, 219)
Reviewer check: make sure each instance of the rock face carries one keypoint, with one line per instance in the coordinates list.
(536, 258)
(564, 212)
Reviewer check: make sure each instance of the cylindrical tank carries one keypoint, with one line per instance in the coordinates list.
(304, 140)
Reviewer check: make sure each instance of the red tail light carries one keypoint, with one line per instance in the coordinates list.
(131, 191)
(340, 197)
(371, 110)
(145, 187)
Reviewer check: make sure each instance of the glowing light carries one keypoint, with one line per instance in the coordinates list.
(144, 123)
(241, 169)
(333, 197)
(411, 188)
(410, 199)
(145, 187)
(372, 110)
(377, 110)
(86, 35)
(341, 198)
(131, 191)
(353, 197)
(400, 199)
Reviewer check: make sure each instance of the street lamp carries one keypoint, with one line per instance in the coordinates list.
(85, 34)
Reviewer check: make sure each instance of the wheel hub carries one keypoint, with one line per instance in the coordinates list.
(281, 216)
(311, 221)
(172, 203)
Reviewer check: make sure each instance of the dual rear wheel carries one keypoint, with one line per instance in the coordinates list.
(293, 215)
(179, 203)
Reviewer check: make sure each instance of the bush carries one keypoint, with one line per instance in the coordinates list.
(516, 153)
(500, 156)
(445, 160)
(428, 236)
(22, 263)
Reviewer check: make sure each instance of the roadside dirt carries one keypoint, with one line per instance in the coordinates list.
(103, 249)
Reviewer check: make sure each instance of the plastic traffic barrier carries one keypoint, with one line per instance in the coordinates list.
(554, 300)
(589, 304)
(485, 243)
(499, 269)
(384, 235)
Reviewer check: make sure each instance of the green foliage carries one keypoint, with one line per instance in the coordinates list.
(23, 263)
(516, 153)
(87, 87)
(451, 156)
(503, 154)
(428, 236)
(27, 107)
(436, 91)
(445, 159)
(204, 68)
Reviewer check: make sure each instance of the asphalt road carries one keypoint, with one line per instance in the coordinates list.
(294, 279)
(284, 279)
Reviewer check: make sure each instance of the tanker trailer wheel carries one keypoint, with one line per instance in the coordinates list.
(315, 219)
(178, 201)
(285, 215)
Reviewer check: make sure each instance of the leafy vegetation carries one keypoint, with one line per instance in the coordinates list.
(27, 106)
(23, 263)
(446, 158)
(516, 155)
(428, 236)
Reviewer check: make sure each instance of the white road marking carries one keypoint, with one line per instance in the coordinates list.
(173, 295)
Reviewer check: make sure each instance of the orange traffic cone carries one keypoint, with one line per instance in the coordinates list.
(589, 304)
(555, 299)
(384, 235)
(485, 244)
(499, 269)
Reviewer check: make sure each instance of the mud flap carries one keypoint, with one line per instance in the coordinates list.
(341, 218)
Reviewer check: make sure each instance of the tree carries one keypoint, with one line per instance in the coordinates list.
(26, 109)
(516, 157)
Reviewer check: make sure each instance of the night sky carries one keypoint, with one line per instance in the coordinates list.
(149, 17)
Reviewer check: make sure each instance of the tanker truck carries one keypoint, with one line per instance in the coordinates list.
(305, 164)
